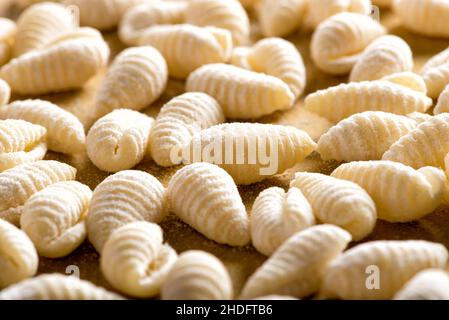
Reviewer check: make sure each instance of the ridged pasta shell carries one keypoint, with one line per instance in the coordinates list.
(53, 218)
(443, 102)
(298, 266)
(282, 17)
(393, 262)
(5, 92)
(338, 202)
(419, 117)
(135, 260)
(8, 31)
(205, 197)
(197, 275)
(430, 284)
(409, 80)
(11, 159)
(436, 73)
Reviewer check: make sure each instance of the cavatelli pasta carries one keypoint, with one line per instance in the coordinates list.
(250, 152)
(5, 92)
(339, 41)
(436, 73)
(197, 275)
(8, 30)
(122, 198)
(364, 136)
(243, 94)
(18, 257)
(239, 57)
(277, 215)
(409, 80)
(419, 117)
(205, 197)
(135, 260)
(430, 284)
(279, 18)
(186, 47)
(178, 121)
(443, 102)
(53, 218)
(298, 266)
(396, 263)
(65, 133)
(338, 202)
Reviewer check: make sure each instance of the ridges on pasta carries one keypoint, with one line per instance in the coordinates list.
(436, 73)
(430, 284)
(8, 31)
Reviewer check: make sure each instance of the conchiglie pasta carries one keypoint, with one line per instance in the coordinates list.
(436, 73)
(8, 30)
(430, 284)
(282, 17)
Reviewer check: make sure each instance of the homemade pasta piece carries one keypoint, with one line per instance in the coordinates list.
(443, 102)
(436, 73)
(18, 257)
(277, 215)
(408, 79)
(339, 202)
(363, 136)
(395, 263)
(243, 94)
(298, 266)
(186, 47)
(205, 197)
(282, 17)
(250, 152)
(65, 133)
(8, 31)
(5, 92)
(419, 117)
(197, 275)
(53, 218)
(430, 284)
(135, 260)
(122, 198)
(239, 57)
(178, 121)
(339, 41)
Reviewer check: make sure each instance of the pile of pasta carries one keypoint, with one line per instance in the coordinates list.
(384, 125)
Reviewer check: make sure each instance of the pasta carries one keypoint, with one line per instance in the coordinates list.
(135, 260)
(135, 80)
(186, 47)
(298, 266)
(363, 136)
(243, 94)
(397, 262)
(384, 56)
(339, 41)
(408, 79)
(430, 284)
(18, 184)
(122, 198)
(239, 57)
(5, 93)
(338, 202)
(436, 73)
(53, 218)
(401, 194)
(277, 215)
(250, 152)
(65, 133)
(119, 140)
(178, 121)
(419, 117)
(249, 4)
(205, 197)
(443, 102)
(8, 30)
(197, 275)
(282, 17)
(18, 257)
(56, 287)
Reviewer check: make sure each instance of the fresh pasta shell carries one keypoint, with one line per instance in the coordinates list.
(205, 197)
(11, 159)
(339, 41)
(65, 133)
(135, 260)
(280, 18)
(18, 257)
(338, 202)
(363, 136)
(239, 57)
(250, 152)
(186, 47)
(430, 284)
(419, 117)
(409, 80)
(298, 266)
(249, 4)
(53, 218)
(243, 94)
(197, 275)
(443, 102)
(8, 31)
(5, 92)
(394, 263)
(122, 198)
(436, 73)
(277, 215)
(178, 121)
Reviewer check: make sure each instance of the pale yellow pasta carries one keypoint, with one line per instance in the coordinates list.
(18, 257)
(65, 133)
(53, 218)
(243, 94)
(187, 47)
(12, 159)
(239, 57)
(205, 197)
(8, 31)
(298, 266)
(5, 92)
(443, 102)
(389, 263)
(56, 286)
(419, 117)
(282, 17)
(197, 275)
(338, 202)
(178, 121)
(430, 284)
(408, 79)
(363, 136)
(339, 41)
(135, 260)
(436, 73)
(122, 198)
(277, 215)
(250, 152)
